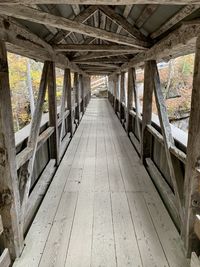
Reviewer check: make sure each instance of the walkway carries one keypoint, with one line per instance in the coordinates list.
(102, 208)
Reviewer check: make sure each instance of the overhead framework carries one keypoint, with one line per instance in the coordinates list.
(89, 38)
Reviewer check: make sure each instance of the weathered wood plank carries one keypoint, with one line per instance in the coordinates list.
(191, 184)
(5, 260)
(38, 16)
(126, 13)
(146, 111)
(53, 120)
(77, 96)
(180, 15)
(131, 73)
(9, 192)
(122, 94)
(146, 13)
(195, 261)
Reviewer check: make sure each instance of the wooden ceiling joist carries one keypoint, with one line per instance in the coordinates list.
(31, 14)
(126, 13)
(99, 55)
(146, 13)
(101, 2)
(117, 18)
(94, 47)
(180, 15)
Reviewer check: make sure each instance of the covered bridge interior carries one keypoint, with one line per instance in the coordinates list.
(117, 187)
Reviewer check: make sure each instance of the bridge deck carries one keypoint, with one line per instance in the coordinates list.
(102, 208)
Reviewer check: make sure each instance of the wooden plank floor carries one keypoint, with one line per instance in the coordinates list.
(102, 208)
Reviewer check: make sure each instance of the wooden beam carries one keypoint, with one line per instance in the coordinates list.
(77, 96)
(147, 111)
(25, 172)
(192, 173)
(94, 47)
(131, 79)
(126, 13)
(53, 122)
(81, 17)
(103, 60)
(179, 42)
(137, 107)
(180, 15)
(82, 89)
(67, 81)
(146, 13)
(121, 94)
(9, 187)
(98, 55)
(117, 18)
(101, 2)
(167, 137)
(38, 16)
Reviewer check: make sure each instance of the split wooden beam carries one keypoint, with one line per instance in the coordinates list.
(9, 186)
(147, 111)
(94, 47)
(53, 121)
(38, 16)
(26, 171)
(131, 81)
(192, 170)
(180, 15)
(167, 138)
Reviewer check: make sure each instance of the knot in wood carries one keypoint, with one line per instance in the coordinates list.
(5, 198)
(196, 201)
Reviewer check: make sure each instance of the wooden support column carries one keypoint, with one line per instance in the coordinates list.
(9, 187)
(77, 98)
(115, 92)
(121, 95)
(53, 121)
(192, 171)
(82, 93)
(131, 81)
(137, 107)
(25, 173)
(147, 111)
(67, 81)
(167, 137)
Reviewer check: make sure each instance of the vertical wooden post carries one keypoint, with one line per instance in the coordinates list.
(192, 170)
(121, 99)
(67, 79)
(147, 111)
(167, 137)
(115, 92)
(9, 187)
(82, 93)
(131, 80)
(76, 91)
(137, 106)
(53, 121)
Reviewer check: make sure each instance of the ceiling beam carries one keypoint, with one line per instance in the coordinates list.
(94, 47)
(91, 64)
(180, 15)
(103, 60)
(21, 41)
(179, 42)
(146, 13)
(126, 13)
(121, 21)
(34, 15)
(99, 55)
(102, 2)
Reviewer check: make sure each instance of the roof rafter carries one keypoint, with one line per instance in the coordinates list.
(31, 14)
(99, 55)
(180, 15)
(146, 13)
(126, 13)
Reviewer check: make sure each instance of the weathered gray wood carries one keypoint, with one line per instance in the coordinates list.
(25, 173)
(53, 121)
(122, 94)
(126, 13)
(197, 226)
(137, 106)
(94, 47)
(180, 15)
(191, 185)
(82, 89)
(168, 138)
(131, 73)
(101, 2)
(146, 13)
(67, 80)
(117, 18)
(9, 187)
(146, 111)
(77, 96)
(195, 261)
(5, 260)
(34, 15)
